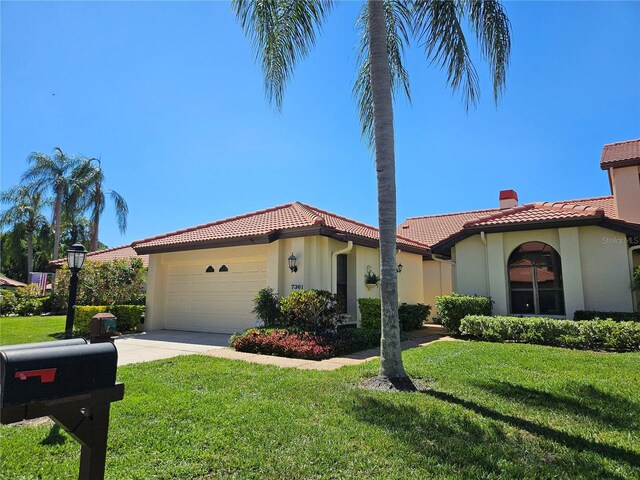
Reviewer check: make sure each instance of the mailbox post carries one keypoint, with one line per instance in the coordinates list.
(70, 381)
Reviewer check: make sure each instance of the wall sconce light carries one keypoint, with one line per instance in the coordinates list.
(399, 268)
(292, 263)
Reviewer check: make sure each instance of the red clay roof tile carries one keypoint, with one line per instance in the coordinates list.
(620, 154)
(108, 255)
(290, 216)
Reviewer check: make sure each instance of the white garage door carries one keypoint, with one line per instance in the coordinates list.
(219, 302)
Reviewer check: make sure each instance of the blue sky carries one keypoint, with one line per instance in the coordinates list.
(168, 94)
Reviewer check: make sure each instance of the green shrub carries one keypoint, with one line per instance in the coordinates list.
(103, 283)
(370, 312)
(29, 306)
(453, 308)
(313, 310)
(267, 307)
(582, 334)
(128, 317)
(411, 315)
(82, 318)
(615, 316)
(9, 303)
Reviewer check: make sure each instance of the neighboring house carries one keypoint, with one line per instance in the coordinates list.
(9, 283)
(534, 259)
(107, 255)
(549, 258)
(204, 278)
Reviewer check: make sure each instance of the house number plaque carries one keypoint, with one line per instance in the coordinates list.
(297, 286)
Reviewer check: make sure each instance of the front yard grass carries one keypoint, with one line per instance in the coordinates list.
(15, 330)
(493, 411)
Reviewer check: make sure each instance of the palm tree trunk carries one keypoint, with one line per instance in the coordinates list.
(29, 253)
(95, 225)
(390, 352)
(57, 214)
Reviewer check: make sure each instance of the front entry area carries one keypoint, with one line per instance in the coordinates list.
(214, 298)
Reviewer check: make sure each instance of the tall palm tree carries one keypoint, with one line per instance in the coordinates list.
(283, 31)
(52, 173)
(91, 181)
(25, 211)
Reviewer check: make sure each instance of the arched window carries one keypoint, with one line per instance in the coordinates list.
(535, 280)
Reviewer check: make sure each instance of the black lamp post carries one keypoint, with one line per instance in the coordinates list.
(76, 255)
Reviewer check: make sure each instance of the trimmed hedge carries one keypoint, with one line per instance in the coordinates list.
(615, 316)
(128, 317)
(453, 308)
(583, 334)
(412, 316)
(294, 343)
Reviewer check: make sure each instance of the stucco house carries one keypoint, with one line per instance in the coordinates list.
(548, 258)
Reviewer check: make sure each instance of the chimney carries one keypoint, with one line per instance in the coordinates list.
(508, 199)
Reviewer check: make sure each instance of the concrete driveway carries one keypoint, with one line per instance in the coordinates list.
(147, 346)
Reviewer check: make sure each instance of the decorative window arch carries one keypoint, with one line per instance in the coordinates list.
(535, 280)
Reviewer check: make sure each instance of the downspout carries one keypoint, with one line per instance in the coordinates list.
(483, 237)
(334, 265)
(635, 294)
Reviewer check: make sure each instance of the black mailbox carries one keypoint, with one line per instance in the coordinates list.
(70, 381)
(34, 374)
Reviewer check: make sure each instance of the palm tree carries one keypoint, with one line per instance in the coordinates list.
(52, 172)
(90, 184)
(283, 31)
(25, 212)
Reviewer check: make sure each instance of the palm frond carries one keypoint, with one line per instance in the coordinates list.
(398, 19)
(122, 210)
(282, 33)
(437, 25)
(493, 31)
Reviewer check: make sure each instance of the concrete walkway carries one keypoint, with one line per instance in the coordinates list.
(156, 345)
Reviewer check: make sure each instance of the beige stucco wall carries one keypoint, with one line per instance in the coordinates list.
(625, 182)
(316, 270)
(437, 278)
(595, 266)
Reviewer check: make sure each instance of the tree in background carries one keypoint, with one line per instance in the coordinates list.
(283, 32)
(24, 215)
(52, 173)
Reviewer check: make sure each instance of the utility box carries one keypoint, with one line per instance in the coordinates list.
(30, 374)
(103, 327)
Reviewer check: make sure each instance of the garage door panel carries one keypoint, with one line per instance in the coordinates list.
(216, 301)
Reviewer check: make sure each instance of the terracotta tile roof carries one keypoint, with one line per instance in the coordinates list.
(620, 154)
(435, 228)
(265, 223)
(109, 254)
(431, 229)
(536, 213)
(9, 282)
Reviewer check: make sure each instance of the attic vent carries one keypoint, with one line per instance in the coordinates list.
(210, 269)
(223, 268)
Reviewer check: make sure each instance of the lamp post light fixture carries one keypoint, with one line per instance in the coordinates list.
(292, 263)
(399, 268)
(76, 255)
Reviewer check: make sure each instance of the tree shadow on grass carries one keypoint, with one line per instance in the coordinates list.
(476, 449)
(577, 399)
(57, 335)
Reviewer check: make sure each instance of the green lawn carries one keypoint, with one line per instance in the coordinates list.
(31, 329)
(494, 411)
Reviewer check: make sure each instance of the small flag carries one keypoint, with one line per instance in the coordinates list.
(40, 279)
